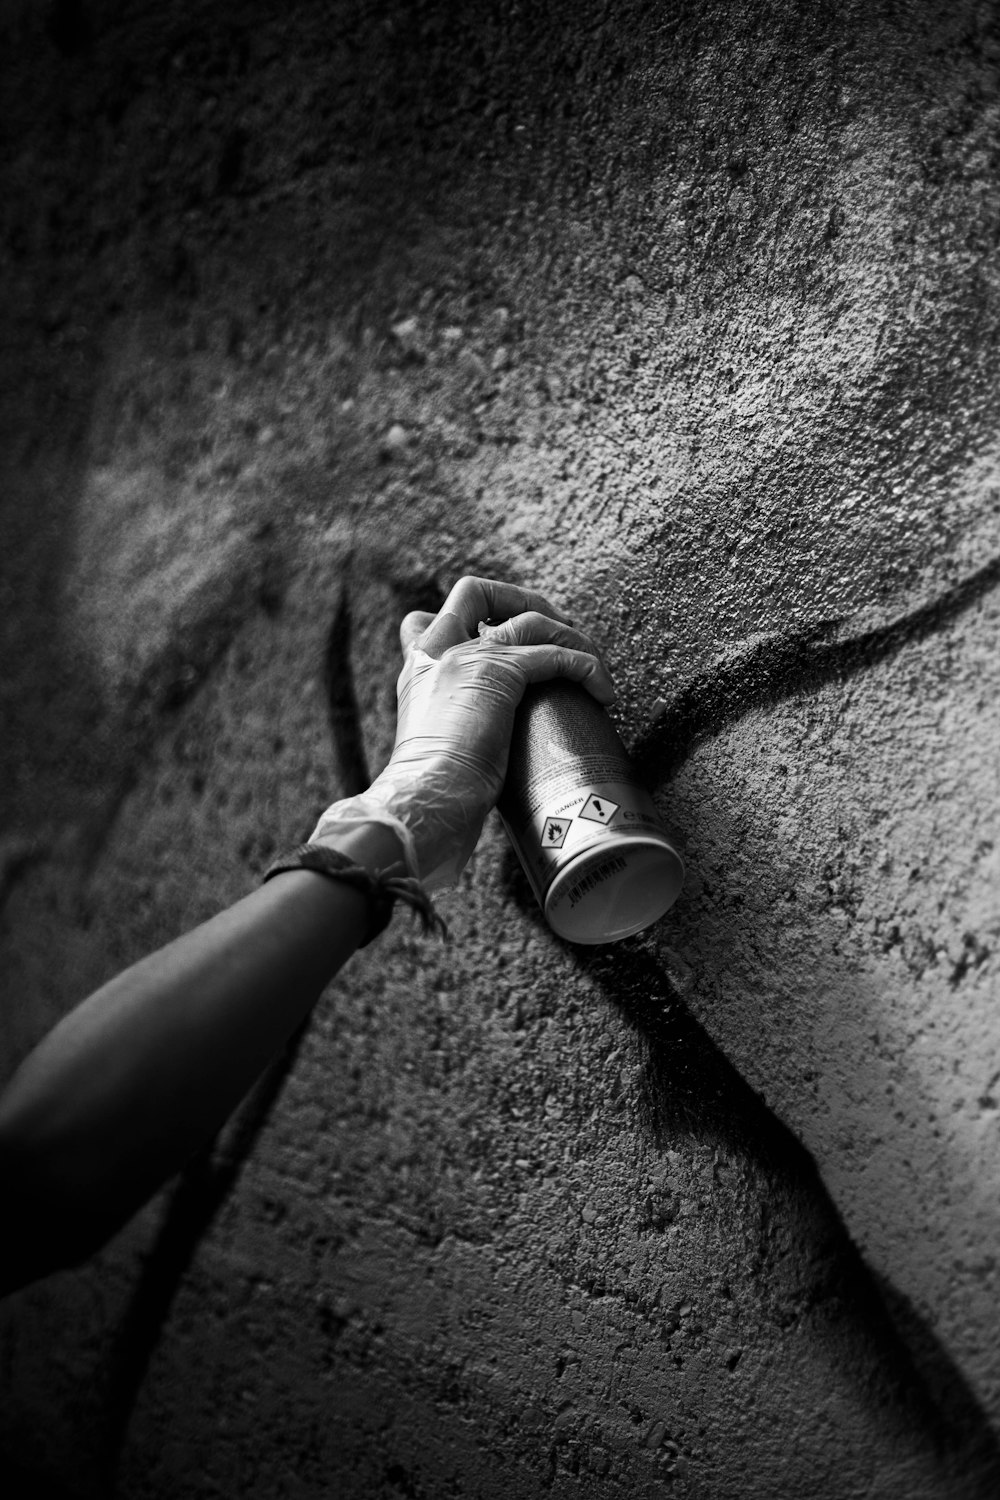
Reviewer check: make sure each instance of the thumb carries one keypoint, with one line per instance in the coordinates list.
(413, 626)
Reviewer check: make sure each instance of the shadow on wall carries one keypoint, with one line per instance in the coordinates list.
(691, 1083)
(694, 1089)
(784, 666)
(210, 1178)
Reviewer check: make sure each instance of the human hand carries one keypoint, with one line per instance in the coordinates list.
(457, 694)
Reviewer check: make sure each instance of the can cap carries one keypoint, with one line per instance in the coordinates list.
(611, 892)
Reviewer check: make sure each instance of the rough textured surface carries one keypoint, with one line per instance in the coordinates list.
(689, 315)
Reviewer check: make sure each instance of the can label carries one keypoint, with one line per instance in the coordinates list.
(565, 816)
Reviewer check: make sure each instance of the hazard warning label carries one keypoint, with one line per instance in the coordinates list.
(598, 809)
(554, 832)
(596, 817)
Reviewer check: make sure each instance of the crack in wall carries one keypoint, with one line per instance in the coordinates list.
(788, 666)
(342, 699)
(193, 1206)
(207, 1181)
(691, 1085)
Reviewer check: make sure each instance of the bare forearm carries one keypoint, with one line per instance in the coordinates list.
(117, 1097)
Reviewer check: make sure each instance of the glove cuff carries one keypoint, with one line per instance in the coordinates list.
(354, 812)
(383, 890)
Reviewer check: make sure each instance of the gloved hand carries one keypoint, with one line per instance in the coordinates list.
(461, 683)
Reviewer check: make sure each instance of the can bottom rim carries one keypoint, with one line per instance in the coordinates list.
(621, 887)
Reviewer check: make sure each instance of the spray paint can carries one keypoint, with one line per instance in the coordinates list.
(588, 835)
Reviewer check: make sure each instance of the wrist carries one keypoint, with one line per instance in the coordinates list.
(370, 843)
(366, 828)
(431, 811)
(441, 805)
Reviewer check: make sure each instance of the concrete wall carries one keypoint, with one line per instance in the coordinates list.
(688, 315)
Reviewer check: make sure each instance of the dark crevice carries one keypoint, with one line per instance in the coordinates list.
(342, 702)
(692, 1088)
(789, 666)
(208, 1180)
(17, 855)
(195, 1203)
(206, 1183)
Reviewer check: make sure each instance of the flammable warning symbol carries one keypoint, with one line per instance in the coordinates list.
(554, 832)
(598, 809)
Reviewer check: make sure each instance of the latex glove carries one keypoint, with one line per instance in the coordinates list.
(460, 686)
